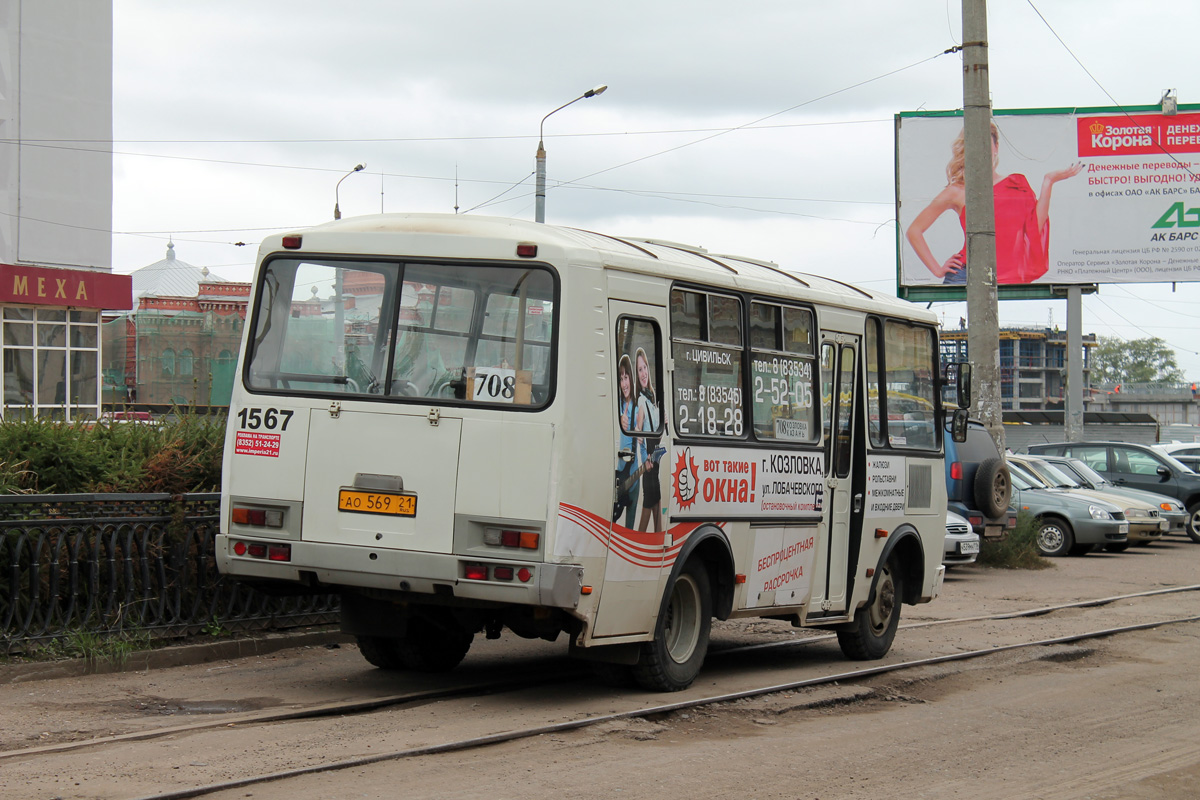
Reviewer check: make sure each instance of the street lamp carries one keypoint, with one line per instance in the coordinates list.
(540, 212)
(337, 212)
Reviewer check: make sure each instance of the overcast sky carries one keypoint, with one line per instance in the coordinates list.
(762, 128)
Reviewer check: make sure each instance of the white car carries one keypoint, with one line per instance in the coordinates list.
(962, 544)
(1186, 453)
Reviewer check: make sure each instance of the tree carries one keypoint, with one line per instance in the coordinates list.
(1116, 360)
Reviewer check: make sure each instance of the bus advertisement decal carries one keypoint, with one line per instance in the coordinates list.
(886, 488)
(782, 566)
(735, 482)
(249, 443)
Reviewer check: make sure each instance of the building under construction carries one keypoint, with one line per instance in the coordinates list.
(1033, 365)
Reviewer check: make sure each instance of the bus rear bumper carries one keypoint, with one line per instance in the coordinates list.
(531, 583)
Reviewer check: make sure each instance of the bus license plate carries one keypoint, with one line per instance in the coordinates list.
(399, 505)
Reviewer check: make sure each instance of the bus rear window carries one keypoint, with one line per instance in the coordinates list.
(450, 333)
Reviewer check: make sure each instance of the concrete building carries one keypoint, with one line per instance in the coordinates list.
(1033, 365)
(55, 204)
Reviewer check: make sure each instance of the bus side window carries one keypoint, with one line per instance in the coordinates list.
(706, 345)
(828, 358)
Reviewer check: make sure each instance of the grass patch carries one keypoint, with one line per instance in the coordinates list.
(1018, 550)
(95, 647)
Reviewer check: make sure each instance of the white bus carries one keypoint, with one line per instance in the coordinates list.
(463, 424)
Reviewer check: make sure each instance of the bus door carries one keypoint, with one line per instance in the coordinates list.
(839, 363)
(637, 542)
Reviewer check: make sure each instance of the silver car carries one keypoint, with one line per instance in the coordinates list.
(1146, 523)
(962, 543)
(1170, 509)
(1067, 522)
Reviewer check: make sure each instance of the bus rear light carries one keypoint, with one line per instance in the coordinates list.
(475, 572)
(585, 590)
(496, 537)
(257, 517)
(524, 574)
(292, 242)
(527, 250)
(502, 573)
(279, 552)
(239, 548)
(256, 550)
(956, 470)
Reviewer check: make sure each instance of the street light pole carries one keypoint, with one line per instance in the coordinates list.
(540, 208)
(337, 211)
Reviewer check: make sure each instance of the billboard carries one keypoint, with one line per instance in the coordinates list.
(1082, 196)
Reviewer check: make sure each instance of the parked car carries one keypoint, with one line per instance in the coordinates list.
(1169, 508)
(1067, 523)
(1186, 453)
(978, 486)
(1138, 466)
(962, 543)
(1145, 522)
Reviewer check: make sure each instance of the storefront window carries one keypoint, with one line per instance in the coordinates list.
(51, 357)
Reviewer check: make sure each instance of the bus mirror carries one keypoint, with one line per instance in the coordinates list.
(963, 385)
(958, 425)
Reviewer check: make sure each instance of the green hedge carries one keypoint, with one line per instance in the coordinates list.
(177, 455)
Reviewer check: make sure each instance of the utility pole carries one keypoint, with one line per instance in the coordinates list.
(983, 333)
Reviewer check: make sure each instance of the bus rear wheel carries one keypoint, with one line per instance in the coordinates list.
(672, 660)
(430, 644)
(871, 633)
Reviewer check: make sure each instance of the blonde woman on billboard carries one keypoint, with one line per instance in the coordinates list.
(1022, 220)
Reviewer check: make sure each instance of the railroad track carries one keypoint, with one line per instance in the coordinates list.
(526, 680)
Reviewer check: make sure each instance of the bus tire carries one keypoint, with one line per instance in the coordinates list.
(672, 660)
(381, 651)
(870, 635)
(429, 645)
(434, 644)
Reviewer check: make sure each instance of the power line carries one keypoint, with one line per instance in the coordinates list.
(421, 139)
(763, 119)
(1137, 327)
(1107, 94)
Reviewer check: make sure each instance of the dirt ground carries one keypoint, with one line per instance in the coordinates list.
(1100, 719)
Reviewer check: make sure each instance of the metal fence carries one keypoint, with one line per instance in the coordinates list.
(112, 564)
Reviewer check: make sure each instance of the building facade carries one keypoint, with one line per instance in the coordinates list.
(179, 346)
(55, 204)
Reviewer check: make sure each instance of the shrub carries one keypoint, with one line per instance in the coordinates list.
(181, 455)
(1018, 550)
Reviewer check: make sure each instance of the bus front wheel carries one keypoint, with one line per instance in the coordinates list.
(672, 660)
(871, 633)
